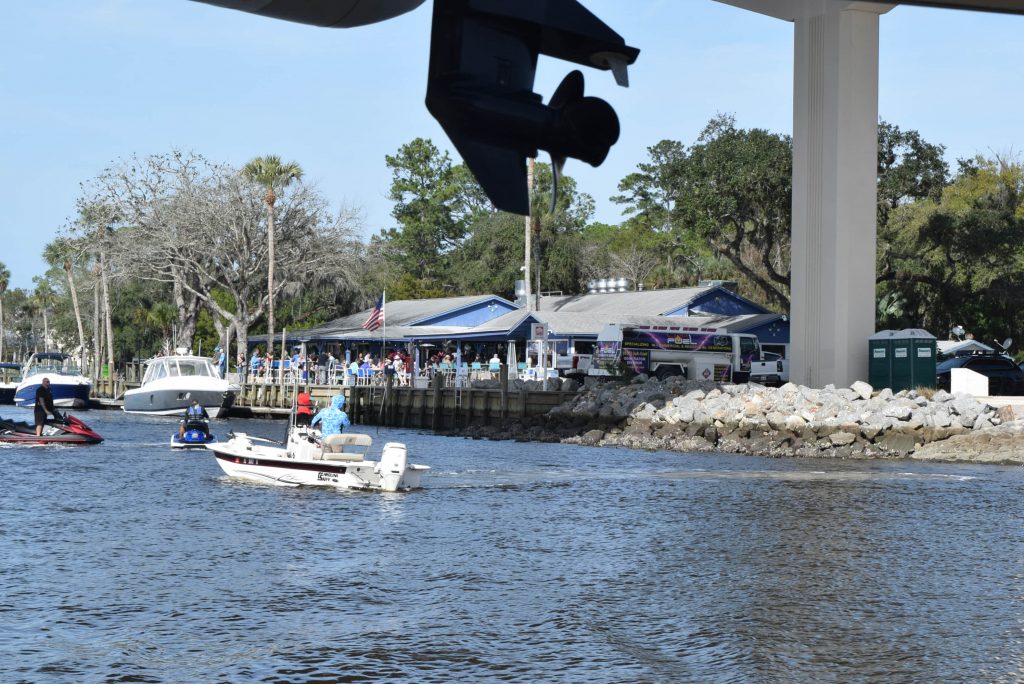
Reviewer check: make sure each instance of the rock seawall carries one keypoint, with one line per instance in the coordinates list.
(848, 422)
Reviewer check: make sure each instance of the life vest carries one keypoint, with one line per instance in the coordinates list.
(195, 411)
(303, 404)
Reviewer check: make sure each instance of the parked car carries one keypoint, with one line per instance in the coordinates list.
(1004, 375)
(772, 370)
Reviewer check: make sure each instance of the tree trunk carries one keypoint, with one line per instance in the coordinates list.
(78, 314)
(270, 277)
(529, 234)
(97, 332)
(107, 316)
(1, 327)
(46, 330)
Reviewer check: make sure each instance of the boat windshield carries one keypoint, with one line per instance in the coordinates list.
(192, 367)
(175, 368)
(52, 364)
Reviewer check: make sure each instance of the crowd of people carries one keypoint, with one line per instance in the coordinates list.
(363, 368)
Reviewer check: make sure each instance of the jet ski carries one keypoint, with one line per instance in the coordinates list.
(197, 435)
(67, 430)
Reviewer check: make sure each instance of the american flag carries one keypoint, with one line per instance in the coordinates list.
(376, 317)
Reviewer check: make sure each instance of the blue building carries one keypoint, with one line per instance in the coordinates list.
(481, 325)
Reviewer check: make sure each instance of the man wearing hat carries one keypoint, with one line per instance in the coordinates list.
(220, 360)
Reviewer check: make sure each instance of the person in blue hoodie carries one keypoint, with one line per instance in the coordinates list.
(332, 420)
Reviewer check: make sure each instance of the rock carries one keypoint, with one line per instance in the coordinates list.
(897, 412)
(842, 438)
(592, 437)
(862, 389)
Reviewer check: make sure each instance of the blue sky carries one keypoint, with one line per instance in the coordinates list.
(85, 82)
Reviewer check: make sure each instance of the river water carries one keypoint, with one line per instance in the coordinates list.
(132, 562)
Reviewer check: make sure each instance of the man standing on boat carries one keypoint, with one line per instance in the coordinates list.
(44, 406)
(332, 421)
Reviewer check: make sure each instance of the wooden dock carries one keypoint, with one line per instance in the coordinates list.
(436, 407)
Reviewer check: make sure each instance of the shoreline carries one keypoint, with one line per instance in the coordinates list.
(790, 421)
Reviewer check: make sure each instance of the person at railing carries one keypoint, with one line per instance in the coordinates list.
(494, 365)
(400, 371)
(255, 363)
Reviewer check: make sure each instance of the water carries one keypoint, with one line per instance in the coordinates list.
(131, 562)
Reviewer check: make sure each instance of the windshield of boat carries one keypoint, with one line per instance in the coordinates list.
(52, 363)
(192, 367)
(162, 368)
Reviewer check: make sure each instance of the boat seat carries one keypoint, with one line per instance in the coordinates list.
(334, 446)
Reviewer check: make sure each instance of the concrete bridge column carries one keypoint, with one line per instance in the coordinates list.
(835, 142)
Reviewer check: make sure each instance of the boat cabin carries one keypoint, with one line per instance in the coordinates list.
(179, 366)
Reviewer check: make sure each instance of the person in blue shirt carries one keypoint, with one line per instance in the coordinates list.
(332, 419)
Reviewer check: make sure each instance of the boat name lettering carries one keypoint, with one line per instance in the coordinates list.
(326, 477)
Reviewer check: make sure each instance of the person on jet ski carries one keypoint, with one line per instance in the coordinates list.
(332, 421)
(44, 406)
(195, 415)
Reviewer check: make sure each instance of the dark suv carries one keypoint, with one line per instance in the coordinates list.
(1004, 376)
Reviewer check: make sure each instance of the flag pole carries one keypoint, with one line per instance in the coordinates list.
(384, 324)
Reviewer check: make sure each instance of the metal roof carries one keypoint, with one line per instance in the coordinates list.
(644, 302)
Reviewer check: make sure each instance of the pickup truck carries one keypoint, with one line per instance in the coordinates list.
(772, 370)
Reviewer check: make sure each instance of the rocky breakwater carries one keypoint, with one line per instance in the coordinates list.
(849, 422)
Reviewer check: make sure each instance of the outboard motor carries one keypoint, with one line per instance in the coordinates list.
(393, 462)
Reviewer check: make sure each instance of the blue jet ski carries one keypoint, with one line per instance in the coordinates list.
(197, 435)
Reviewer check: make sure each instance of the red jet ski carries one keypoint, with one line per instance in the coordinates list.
(70, 430)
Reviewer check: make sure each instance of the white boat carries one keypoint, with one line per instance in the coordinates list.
(172, 382)
(70, 389)
(10, 378)
(303, 461)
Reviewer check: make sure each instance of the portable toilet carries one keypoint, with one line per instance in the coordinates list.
(901, 359)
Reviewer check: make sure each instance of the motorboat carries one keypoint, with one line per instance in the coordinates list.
(304, 460)
(170, 383)
(69, 387)
(69, 430)
(197, 435)
(10, 376)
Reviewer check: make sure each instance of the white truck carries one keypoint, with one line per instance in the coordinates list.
(696, 353)
(771, 370)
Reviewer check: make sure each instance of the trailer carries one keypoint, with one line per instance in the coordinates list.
(695, 353)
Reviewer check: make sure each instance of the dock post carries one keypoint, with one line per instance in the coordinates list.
(436, 415)
(504, 393)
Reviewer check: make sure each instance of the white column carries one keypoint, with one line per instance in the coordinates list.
(835, 141)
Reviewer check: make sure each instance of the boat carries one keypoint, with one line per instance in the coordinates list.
(197, 435)
(10, 376)
(69, 387)
(303, 461)
(70, 430)
(170, 383)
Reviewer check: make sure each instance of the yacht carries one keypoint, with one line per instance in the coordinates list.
(171, 383)
(69, 387)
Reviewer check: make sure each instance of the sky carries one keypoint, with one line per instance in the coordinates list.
(84, 83)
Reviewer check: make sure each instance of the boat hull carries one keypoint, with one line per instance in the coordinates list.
(174, 401)
(66, 394)
(255, 462)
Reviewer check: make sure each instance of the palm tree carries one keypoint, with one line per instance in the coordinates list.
(5, 280)
(44, 299)
(59, 251)
(271, 172)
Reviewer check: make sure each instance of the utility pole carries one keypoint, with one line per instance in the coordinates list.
(529, 232)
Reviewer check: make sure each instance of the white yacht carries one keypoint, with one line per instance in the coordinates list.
(172, 382)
